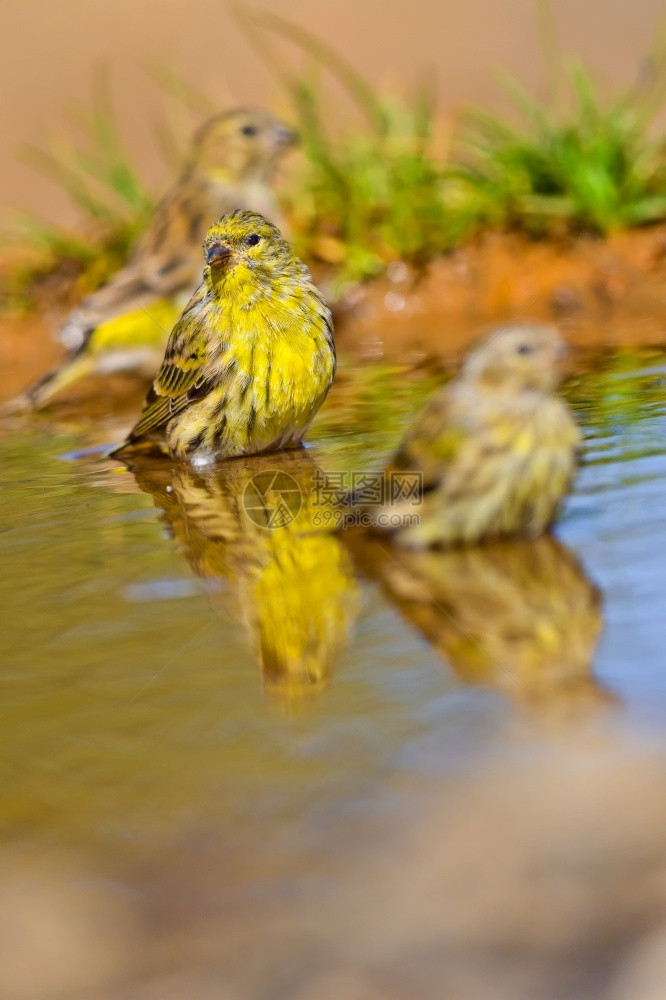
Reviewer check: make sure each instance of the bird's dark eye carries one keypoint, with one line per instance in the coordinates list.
(249, 130)
(523, 349)
(252, 239)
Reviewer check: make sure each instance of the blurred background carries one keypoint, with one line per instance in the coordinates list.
(297, 765)
(49, 54)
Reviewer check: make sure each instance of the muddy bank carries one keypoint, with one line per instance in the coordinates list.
(600, 291)
(27, 350)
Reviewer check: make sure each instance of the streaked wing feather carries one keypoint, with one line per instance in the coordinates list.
(168, 253)
(184, 374)
(433, 442)
(157, 413)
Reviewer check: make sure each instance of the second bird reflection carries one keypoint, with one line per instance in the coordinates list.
(520, 615)
(250, 524)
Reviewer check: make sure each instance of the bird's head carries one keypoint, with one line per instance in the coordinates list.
(517, 358)
(242, 145)
(248, 249)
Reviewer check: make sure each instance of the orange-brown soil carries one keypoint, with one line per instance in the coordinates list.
(602, 292)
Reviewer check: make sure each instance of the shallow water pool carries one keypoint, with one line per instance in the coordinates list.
(222, 744)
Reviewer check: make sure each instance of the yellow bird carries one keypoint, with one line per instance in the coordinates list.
(124, 325)
(496, 448)
(251, 359)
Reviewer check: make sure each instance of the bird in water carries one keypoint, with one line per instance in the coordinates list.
(124, 325)
(252, 357)
(496, 449)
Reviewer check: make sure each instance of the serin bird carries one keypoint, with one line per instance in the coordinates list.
(124, 325)
(251, 359)
(496, 448)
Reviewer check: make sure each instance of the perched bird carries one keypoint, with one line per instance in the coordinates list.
(124, 325)
(496, 448)
(251, 359)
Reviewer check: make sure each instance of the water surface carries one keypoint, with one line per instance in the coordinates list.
(219, 726)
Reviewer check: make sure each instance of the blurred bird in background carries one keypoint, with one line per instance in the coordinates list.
(252, 358)
(253, 528)
(517, 615)
(496, 448)
(124, 325)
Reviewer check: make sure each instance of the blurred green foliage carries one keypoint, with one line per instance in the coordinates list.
(596, 168)
(373, 196)
(95, 170)
(382, 191)
(369, 196)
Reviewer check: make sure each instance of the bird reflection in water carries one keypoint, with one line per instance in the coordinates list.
(518, 615)
(254, 525)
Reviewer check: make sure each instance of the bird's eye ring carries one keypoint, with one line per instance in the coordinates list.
(252, 239)
(249, 130)
(523, 349)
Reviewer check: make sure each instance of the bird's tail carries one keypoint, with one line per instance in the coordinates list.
(115, 450)
(41, 392)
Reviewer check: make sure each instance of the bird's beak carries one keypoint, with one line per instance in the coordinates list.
(285, 136)
(218, 255)
(563, 354)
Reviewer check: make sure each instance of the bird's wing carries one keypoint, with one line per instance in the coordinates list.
(434, 441)
(185, 373)
(163, 263)
(125, 292)
(170, 248)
